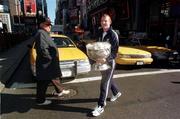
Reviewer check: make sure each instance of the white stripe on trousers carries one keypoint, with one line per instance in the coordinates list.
(109, 79)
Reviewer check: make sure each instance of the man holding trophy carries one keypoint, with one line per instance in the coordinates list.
(107, 36)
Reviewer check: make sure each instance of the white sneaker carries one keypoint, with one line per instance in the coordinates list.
(115, 97)
(64, 92)
(46, 102)
(98, 110)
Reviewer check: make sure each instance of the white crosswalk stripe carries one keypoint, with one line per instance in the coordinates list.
(87, 79)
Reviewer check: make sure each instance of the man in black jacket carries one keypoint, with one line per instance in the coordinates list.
(107, 34)
(47, 63)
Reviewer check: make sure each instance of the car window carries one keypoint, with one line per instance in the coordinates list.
(62, 42)
(148, 41)
(137, 42)
(128, 42)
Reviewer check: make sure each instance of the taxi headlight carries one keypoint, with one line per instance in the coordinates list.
(175, 53)
(79, 62)
(147, 56)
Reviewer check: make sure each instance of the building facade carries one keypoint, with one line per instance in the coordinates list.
(71, 13)
(5, 16)
(150, 16)
(22, 15)
(164, 19)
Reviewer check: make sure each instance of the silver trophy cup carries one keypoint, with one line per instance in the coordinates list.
(99, 50)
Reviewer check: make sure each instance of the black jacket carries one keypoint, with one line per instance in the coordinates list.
(47, 60)
(113, 39)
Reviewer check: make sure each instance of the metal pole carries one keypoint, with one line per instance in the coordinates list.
(136, 15)
(175, 32)
(18, 10)
(64, 20)
(42, 1)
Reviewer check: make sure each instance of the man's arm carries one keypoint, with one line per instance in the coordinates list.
(42, 46)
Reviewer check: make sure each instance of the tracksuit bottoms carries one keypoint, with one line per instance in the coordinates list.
(107, 83)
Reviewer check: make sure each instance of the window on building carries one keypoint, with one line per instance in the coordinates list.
(165, 9)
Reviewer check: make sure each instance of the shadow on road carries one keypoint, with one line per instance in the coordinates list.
(22, 103)
(175, 82)
(16, 103)
(64, 105)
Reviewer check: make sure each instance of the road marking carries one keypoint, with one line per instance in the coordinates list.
(87, 79)
(2, 59)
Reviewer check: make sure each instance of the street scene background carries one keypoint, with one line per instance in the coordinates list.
(148, 91)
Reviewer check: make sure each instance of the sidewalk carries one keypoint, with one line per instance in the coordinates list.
(10, 60)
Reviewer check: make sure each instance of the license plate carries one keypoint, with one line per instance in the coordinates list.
(139, 63)
(66, 73)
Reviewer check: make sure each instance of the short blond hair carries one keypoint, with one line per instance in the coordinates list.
(106, 15)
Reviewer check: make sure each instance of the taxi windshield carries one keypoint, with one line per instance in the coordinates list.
(137, 42)
(62, 42)
(127, 42)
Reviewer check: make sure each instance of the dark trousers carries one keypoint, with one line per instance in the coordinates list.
(42, 86)
(107, 83)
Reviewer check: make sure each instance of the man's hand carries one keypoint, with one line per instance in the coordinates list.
(100, 61)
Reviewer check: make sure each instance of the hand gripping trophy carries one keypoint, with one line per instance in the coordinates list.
(99, 50)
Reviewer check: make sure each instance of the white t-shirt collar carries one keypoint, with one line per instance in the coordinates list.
(104, 33)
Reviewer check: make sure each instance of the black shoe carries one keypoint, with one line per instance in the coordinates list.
(46, 102)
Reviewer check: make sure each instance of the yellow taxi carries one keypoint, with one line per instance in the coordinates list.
(129, 55)
(155, 46)
(72, 60)
(159, 53)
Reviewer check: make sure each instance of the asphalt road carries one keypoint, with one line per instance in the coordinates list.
(147, 93)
